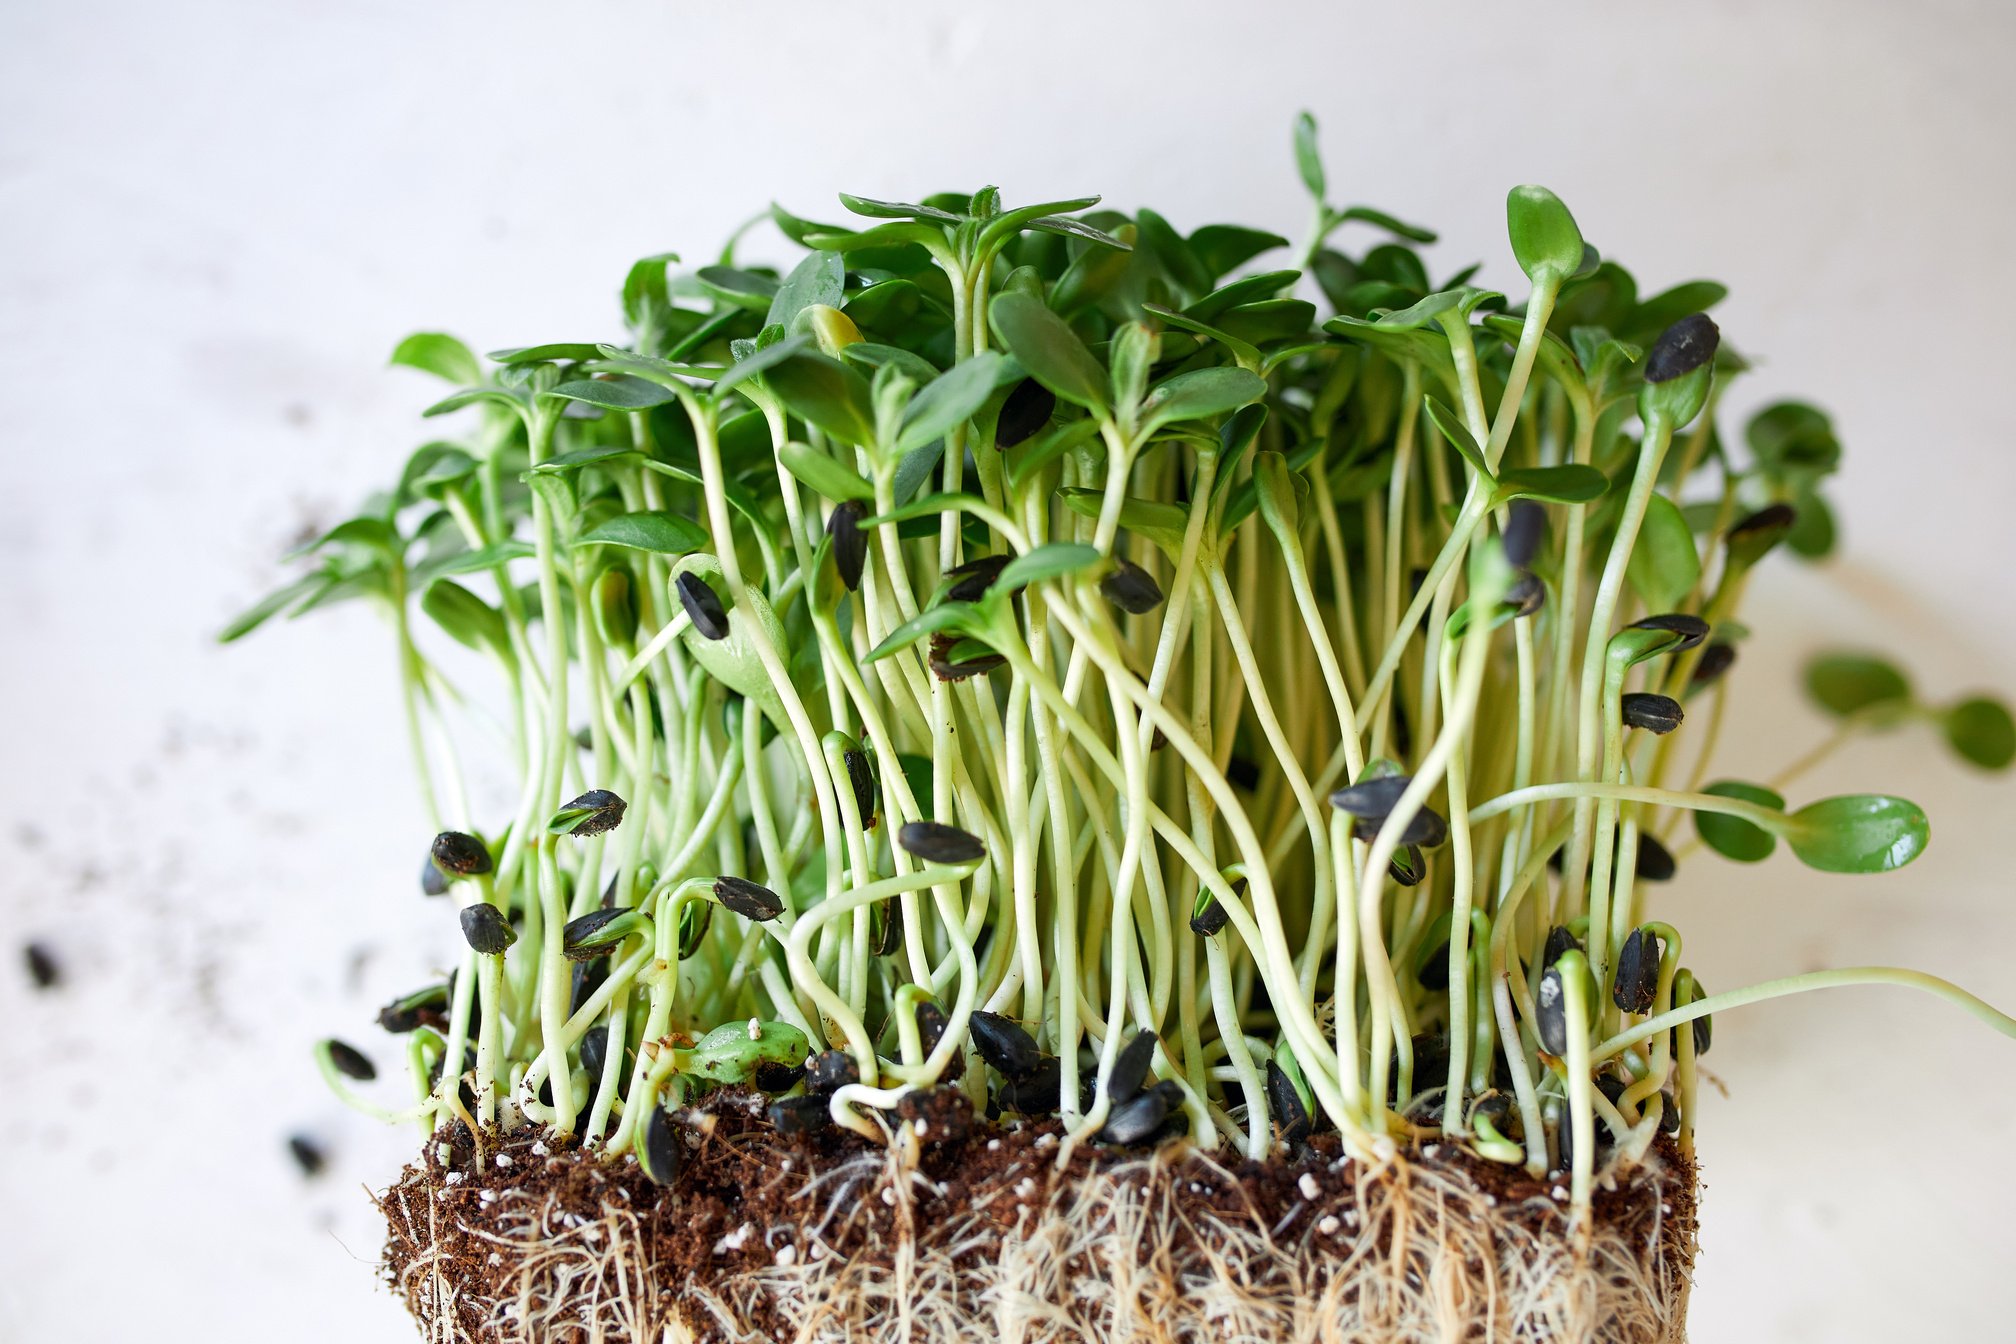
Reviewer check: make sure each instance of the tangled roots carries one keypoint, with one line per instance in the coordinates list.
(985, 1237)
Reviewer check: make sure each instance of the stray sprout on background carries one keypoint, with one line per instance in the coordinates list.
(1027, 651)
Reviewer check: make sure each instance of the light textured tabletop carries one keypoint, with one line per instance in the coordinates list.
(216, 219)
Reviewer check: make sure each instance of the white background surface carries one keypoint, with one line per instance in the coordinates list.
(216, 220)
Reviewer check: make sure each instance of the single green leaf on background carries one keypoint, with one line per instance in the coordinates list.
(1858, 833)
(470, 396)
(1545, 240)
(1160, 523)
(576, 458)
(656, 530)
(874, 209)
(822, 474)
(825, 393)
(1845, 683)
(440, 354)
(471, 562)
(270, 606)
(820, 278)
(950, 399)
(741, 289)
(467, 618)
(1445, 419)
(1664, 566)
(1223, 248)
(946, 616)
(1201, 394)
(620, 393)
(1981, 731)
(552, 352)
(644, 286)
(1733, 837)
(1172, 251)
(1051, 561)
(1399, 228)
(1308, 158)
(1049, 350)
(1569, 483)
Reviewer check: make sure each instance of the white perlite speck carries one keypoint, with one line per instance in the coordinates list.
(452, 1178)
(1328, 1226)
(735, 1240)
(503, 1159)
(921, 1125)
(1559, 1192)
(1307, 1185)
(993, 1145)
(787, 1255)
(539, 1148)
(755, 1030)
(495, 1259)
(1025, 1188)
(889, 1196)
(1046, 1140)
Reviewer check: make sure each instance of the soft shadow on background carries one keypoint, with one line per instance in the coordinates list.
(217, 219)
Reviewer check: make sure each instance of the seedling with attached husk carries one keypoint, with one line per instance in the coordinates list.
(1033, 652)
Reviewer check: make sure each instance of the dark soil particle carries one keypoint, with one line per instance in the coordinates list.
(737, 1169)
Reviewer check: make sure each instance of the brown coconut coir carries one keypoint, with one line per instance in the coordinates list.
(972, 1230)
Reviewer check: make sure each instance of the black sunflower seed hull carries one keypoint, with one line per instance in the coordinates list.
(603, 812)
(1551, 1007)
(935, 842)
(885, 928)
(1559, 939)
(586, 979)
(1635, 987)
(774, 1076)
(44, 972)
(1408, 868)
(433, 882)
(972, 579)
(460, 855)
(703, 606)
(1691, 629)
(850, 544)
(1130, 1068)
(1682, 348)
(931, 1024)
(1655, 861)
(1004, 1044)
(589, 936)
(1715, 660)
(861, 779)
(1291, 1118)
(800, 1115)
(1027, 410)
(1137, 1120)
(939, 659)
(829, 1071)
(1132, 589)
(1208, 917)
(307, 1154)
(748, 899)
(1654, 713)
(351, 1063)
(594, 1050)
(1037, 1093)
(485, 929)
(658, 1154)
(1525, 525)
